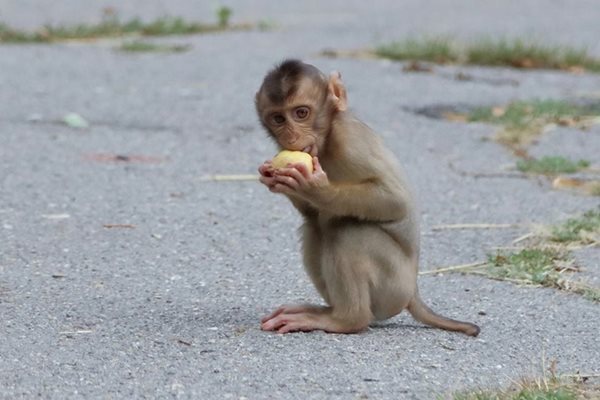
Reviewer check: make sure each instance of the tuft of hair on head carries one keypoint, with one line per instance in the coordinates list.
(282, 81)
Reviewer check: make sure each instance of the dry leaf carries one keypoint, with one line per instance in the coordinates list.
(562, 182)
(416, 66)
(567, 121)
(455, 117)
(588, 187)
(498, 111)
(576, 69)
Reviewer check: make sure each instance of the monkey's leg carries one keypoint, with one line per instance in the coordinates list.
(312, 252)
(292, 309)
(312, 262)
(346, 274)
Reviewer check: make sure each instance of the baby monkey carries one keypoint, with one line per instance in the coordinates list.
(360, 236)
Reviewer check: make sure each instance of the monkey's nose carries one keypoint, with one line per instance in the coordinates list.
(293, 138)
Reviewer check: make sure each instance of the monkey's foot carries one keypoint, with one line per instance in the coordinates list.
(293, 318)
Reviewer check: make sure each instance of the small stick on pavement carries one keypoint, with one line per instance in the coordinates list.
(511, 280)
(521, 238)
(474, 226)
(127, 226)
(238, 177)
(516, 248)
(580, 376)
(460, 172)
(453, 268)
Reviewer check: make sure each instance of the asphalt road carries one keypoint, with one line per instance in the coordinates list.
(167, 302)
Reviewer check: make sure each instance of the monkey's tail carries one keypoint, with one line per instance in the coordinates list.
(426, 315)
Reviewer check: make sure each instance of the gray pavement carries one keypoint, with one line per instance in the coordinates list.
(170, 307)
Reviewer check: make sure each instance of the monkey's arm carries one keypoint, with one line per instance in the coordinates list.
(303, 207)
(371, 199)
(368, 200)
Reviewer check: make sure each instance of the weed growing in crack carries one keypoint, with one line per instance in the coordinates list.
(551, 165)
(112, 26)
(584, 229)
(514, 53)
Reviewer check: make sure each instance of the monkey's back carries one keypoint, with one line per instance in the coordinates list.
(361, 154)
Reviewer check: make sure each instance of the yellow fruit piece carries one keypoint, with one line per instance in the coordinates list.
(285, 157)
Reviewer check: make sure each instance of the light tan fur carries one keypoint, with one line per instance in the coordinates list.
(360, 235)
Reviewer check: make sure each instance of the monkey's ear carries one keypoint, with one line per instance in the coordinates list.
(337, 91)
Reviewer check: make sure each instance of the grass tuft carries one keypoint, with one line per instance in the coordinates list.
(584, 229)
(111, 26)
(437, 50)
(223, 16)
(549, 386)
(560, 393)
(523, 121)
(139, 46)
(535, 266)
(515, 53)
(552, 165)
(519, 53)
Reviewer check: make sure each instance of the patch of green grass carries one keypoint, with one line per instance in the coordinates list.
(523, 121)
(520, 113)
(560, 393)
(437, 50)
(139, 46)
(223, 16)
(111, 26)
(551, 165)
(592, 294)
(582, 229)
(519, 53)
(549, 386)
(516, 53)
(535, 266)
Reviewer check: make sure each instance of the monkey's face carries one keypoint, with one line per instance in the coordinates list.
(299, 122)
(293, 127)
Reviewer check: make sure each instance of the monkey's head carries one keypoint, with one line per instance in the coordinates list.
(297, 103)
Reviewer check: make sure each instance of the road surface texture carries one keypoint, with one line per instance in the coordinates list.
(139, 278)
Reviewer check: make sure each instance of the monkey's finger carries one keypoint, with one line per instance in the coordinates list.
(297, 322)
(274, 323)
(266, 170)
(293, 327)
(292, 183)
(281, 188)
(273, 314)
(317, 165)
(294, 173)
(267, 180)
(303, 170)
(287, 309)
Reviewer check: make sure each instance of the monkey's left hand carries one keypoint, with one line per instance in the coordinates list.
(297, 180)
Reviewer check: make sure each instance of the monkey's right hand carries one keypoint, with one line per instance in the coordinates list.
(266, 174)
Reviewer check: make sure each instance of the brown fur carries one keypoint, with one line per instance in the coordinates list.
(360, 235)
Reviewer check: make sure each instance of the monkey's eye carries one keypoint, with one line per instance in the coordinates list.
(278, 119)
(301, 112)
